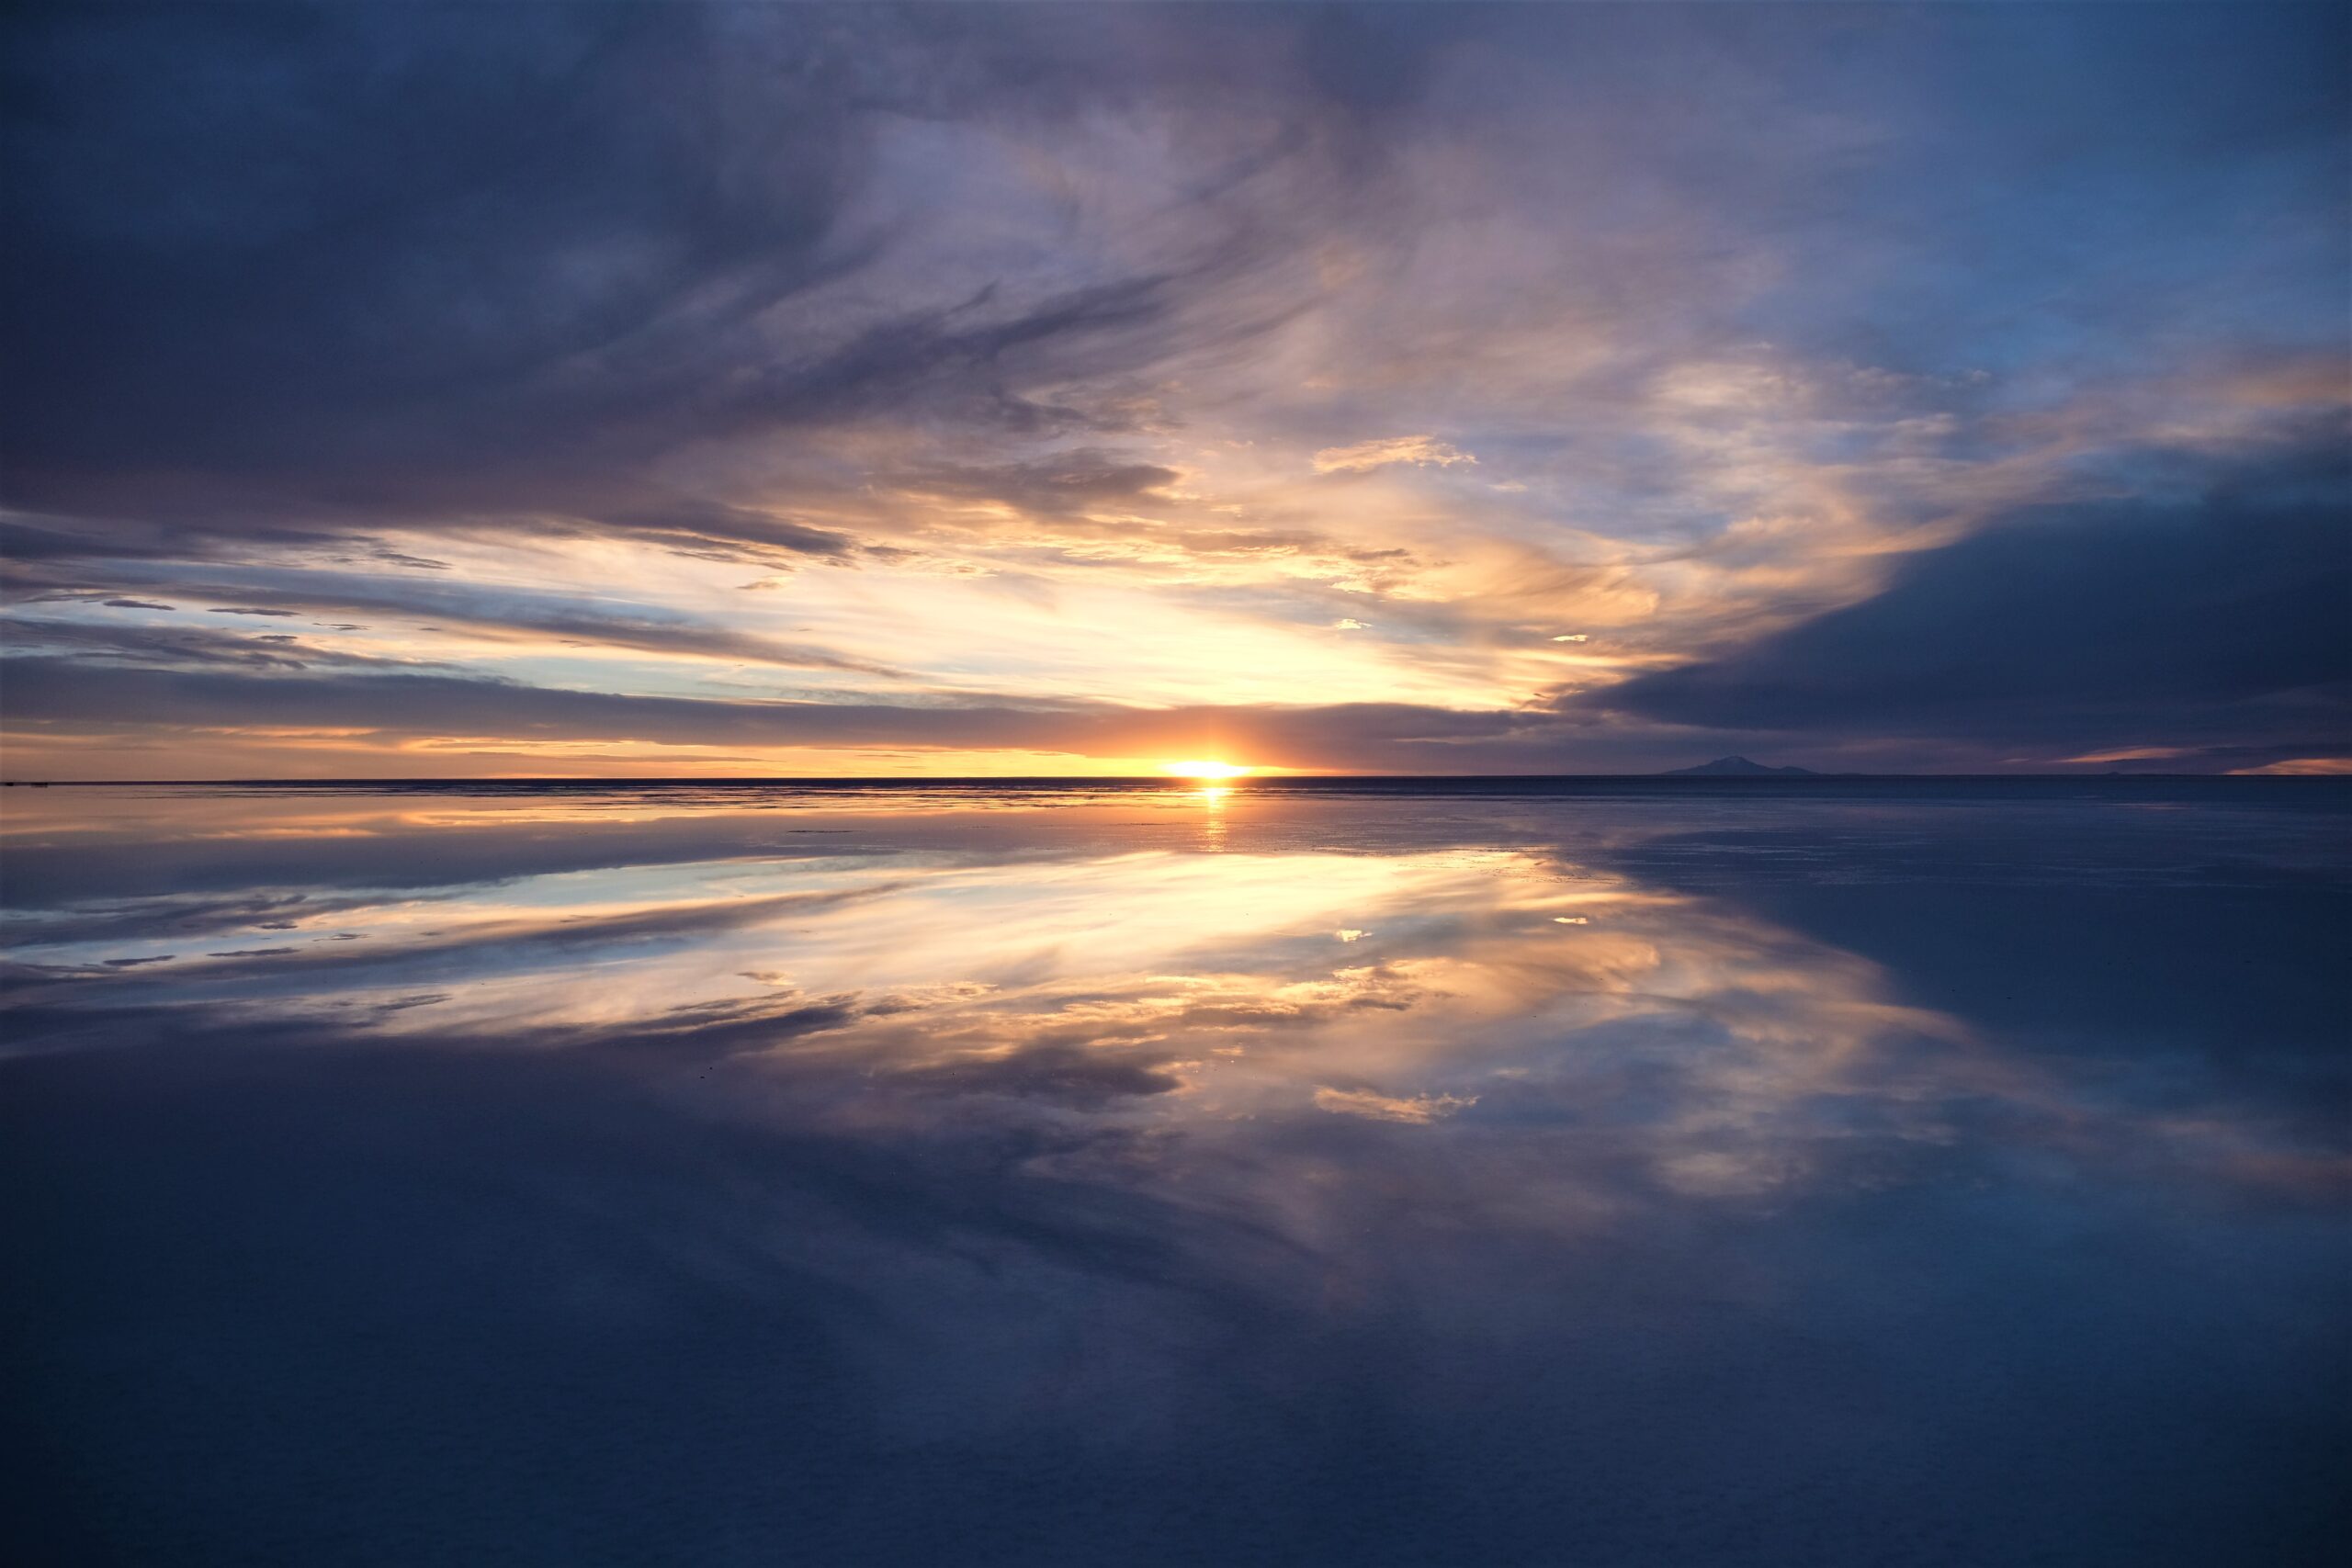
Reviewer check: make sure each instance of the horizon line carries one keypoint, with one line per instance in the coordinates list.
(1166, 781)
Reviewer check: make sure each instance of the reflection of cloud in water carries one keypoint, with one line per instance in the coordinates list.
(1487, 1132)
(1194, 994)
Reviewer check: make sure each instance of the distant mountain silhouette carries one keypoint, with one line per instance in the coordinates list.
(1737, 767)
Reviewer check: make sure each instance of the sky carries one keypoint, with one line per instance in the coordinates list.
(669, 390)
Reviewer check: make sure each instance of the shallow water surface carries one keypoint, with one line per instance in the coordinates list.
(1843, 1173)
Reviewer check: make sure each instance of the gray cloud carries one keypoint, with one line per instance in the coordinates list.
(2210, 619)
(435, 261)
(496, 610)
(309, 284)
(1068, 481)
(81, 697)
(183, 645)
(1074, 1075)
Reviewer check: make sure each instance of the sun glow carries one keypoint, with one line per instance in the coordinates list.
(1203, 770)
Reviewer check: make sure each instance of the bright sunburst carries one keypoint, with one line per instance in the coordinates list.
(1198, 769)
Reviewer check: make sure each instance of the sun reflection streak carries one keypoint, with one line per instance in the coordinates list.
(1213, 821)
(1175, 971)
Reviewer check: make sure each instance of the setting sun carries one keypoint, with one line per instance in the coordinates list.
(1203, 770)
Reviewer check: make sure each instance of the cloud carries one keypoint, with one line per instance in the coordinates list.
(1072, 1075)
(2165, 623)
(1425, 451)
(337, 302)
(72, 697)
(2304, 767)
(116, 642)
(1065, 482)
(1419, 1110)
(531, 616)
(464, 949)
(996, 314)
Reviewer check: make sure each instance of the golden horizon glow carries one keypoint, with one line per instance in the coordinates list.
(1201, 768)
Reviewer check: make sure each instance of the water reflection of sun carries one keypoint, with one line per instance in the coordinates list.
(1213, 821)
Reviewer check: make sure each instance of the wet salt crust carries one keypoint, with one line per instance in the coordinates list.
(1604, 1172)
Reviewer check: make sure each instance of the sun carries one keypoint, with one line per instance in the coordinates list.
(1200, 769)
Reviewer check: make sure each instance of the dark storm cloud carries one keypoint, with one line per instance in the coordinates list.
(337, 239)
(449, 259)
(2210, 619)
